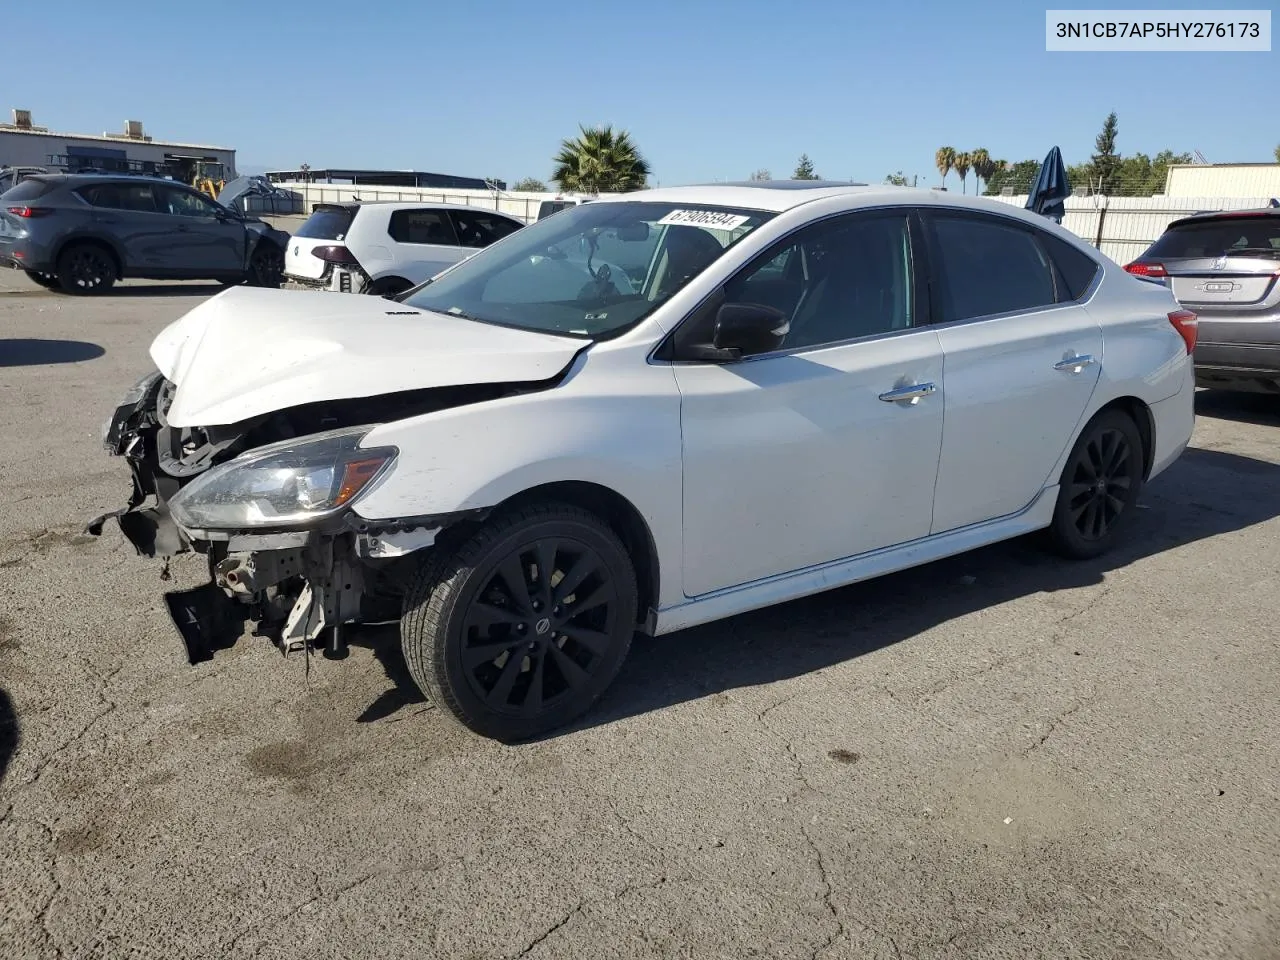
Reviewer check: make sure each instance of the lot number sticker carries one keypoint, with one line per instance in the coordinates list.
(704, 218)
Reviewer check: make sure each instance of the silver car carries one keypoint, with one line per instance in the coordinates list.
(1226, 268)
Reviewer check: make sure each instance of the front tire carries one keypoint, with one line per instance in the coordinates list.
(519, 629)
(1099, 489)
(266, 267)
(86, 269)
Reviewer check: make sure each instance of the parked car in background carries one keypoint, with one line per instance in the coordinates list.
(82, 232)
(11, 176)
(385, 247)
(537, 455)
(547, 207)
(1225, 266)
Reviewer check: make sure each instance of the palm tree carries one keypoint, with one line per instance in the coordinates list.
(981, 160)
(600, 159)
(962, 163)
(945, 159)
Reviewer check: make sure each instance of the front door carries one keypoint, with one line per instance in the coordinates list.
(827, 448)
(1022, 359)
(205, 242)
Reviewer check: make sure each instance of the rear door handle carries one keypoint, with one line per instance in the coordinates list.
(911, 393)
(1075, 364)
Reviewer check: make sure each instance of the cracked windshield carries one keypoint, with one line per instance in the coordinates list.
(591, 271)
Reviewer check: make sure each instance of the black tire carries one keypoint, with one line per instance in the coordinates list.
(266, 266)
(86, 269)
(1099, 488)
(46, 280)
(568, 656)
(388, 287)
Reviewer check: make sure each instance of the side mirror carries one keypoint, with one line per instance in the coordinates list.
(746, 329)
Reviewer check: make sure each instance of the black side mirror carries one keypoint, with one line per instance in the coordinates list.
(746, 329)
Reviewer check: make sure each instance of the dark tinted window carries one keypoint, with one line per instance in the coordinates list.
(1212, 238)
(548, 207)
(185, 203)
(988, 267)
(138, 197)
(845, 278)
(27, 190)
(327, 223)
(1076, 269)
(421, 226)
(480, 229)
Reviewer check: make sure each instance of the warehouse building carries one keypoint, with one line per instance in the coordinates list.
(24, 144)
(1223, 180)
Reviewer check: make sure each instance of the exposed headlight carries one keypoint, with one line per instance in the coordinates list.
(291, 484)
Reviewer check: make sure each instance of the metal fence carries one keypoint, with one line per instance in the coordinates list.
(1123, 227)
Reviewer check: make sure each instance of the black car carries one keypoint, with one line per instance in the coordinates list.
(1225, 267)
(81, 233)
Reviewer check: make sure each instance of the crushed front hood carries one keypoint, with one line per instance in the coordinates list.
(251, 351)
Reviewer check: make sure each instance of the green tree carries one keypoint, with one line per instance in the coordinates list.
(981, 161)
(962, 163)
(944, 160)
(1278, 153)
(804, 169)
(600, 160)
(762, 174)
(1016, 176)
(530, 184)
(898, 179)
(1105, 163)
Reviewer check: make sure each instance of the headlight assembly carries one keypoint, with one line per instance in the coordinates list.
(285, 485)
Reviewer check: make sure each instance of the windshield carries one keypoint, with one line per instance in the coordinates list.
(591, 271)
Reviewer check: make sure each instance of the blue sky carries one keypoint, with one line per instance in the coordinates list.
(708, 90)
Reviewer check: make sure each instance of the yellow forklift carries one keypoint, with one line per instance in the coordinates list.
(209, 177)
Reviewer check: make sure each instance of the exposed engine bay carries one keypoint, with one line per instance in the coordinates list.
(293, 583)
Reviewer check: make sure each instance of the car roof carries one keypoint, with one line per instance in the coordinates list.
(778, 196)
(81, 178)
(1207, 216)
(412, 205)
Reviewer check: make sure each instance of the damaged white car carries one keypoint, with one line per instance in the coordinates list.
(645, 413)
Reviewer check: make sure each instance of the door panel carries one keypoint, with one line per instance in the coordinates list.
(202, 244)
(793, 460)
(1014, 394)
(802, 457)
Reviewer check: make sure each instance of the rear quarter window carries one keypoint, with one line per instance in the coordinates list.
(1076, 269)
(327, 223)
(27, 190)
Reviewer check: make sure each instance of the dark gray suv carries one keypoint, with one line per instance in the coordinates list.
(80, 233)
(1225, 267)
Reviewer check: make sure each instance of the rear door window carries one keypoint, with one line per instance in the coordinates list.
(1213, 238)
(327, 223)
(989, 267)
(136, 197)
(480, 229)
(422, 226)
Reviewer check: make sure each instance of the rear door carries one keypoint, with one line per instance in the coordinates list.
(205, 241)
(328, 225)
(425, 242)
(1022, 359)
(1227, 270)
(130, 213)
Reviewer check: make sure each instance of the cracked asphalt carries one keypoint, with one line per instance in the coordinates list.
(997, 755)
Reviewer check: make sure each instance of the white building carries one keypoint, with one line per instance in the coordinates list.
(24, 144)
(1223, 180)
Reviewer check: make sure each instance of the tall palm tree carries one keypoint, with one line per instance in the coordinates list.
(962, 163)
(599, 160)
(945, 159)
(981, 160)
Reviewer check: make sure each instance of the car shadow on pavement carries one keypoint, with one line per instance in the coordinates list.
(1262, 409)
(384, 641)
(34, 353)
(10, 735)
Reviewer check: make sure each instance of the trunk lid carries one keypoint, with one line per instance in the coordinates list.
(1234, 281)
(327, 226)
(250, 351)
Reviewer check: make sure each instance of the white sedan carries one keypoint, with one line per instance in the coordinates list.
(645, 413)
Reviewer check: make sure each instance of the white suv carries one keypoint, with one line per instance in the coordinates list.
(385, 248)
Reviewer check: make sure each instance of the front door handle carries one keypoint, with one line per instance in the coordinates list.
(911, 393)
(1075, 364)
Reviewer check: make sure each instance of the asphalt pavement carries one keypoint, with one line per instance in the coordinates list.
(998, 755)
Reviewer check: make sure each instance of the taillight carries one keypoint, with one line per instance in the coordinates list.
(28, 212)
(335, 255)
(1186, 323)
(1153, 270)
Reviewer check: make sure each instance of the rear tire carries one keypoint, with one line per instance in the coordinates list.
(507, 651)
(1099, 488)
(86, 269)
(388, 286)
